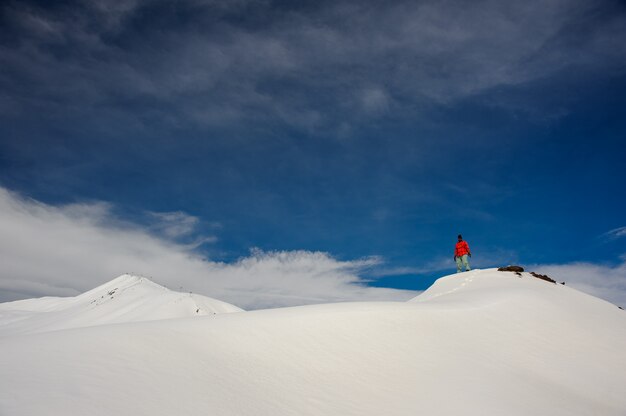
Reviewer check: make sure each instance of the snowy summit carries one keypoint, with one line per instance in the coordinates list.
(127, 298)
(477, 343)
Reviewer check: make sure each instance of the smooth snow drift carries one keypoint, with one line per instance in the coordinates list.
(476, 343)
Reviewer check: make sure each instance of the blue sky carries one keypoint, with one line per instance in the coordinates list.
(358, 129)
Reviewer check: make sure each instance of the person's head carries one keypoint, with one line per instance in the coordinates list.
(460, 237)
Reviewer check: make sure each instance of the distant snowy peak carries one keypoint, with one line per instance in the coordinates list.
(124, 283)
(140, 289)
(127, 298)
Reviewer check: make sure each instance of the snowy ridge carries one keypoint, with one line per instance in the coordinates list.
(127, 298)
(482, 288)
(477, 343)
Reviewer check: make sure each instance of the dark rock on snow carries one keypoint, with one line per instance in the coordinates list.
(517, 269)
(543, 277)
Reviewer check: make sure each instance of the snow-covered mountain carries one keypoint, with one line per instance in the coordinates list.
(127, 298)
(477, 343)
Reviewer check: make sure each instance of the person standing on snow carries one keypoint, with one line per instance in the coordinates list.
(461, 251)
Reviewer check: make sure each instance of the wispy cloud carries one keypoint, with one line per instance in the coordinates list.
(615, 233)
(174, 224)
(64, 250)
(604, 281)
(215, 69)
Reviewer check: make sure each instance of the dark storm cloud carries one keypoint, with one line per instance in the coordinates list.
(326, 65)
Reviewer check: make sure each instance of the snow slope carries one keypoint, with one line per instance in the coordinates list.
(127, 298)
(477, 343)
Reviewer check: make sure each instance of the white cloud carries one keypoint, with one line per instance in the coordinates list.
(604, 281)
(615, 233)
(65, 250)
(174, 224)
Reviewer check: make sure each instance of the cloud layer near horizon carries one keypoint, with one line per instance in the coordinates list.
(64, 250)
(604, 281)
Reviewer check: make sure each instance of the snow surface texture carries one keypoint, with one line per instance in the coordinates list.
(477, 343)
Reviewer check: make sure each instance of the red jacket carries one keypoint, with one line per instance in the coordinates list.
(461, 249)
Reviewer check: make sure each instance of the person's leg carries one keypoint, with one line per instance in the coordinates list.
(459, 264)
(466, 262)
